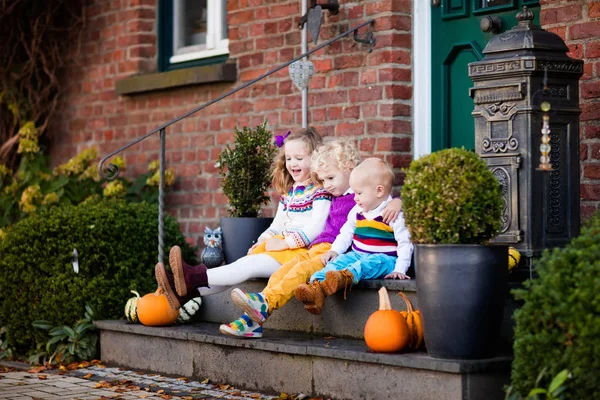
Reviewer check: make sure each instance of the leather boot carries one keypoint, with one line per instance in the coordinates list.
(337, 280)
(187, 277)
(312, 296)
(166, 282)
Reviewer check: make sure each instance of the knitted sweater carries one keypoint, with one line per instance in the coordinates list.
(338, 214)
(301, 215)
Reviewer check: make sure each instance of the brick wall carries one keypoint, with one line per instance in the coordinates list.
(578, 23)
(353, 94)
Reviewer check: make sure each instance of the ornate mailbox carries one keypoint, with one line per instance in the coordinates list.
(523, 68)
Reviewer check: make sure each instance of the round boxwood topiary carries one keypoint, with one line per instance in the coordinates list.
(558, 325)
(451, 197)
(117, 246)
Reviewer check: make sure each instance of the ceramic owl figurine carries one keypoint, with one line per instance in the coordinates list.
(212, 255)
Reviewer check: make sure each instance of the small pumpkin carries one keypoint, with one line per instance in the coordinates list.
(514, 256)
(153, 310)
(187, 311)
(131, 307)
(414, 322)
(386, 330)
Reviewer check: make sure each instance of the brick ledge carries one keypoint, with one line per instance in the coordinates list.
(179, 78)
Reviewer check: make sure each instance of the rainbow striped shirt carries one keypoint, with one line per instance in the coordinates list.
(374, 236)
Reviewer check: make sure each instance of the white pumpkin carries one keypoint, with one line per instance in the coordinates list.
(187, 311)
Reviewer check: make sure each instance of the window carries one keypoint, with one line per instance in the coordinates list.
(192, 33)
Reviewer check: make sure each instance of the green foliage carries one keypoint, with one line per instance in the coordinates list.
(556, 389)
(246, 170)
(67, 344)
(451, 197)
(5, 351)
(117, 245)
(34, 187)
(559, 323)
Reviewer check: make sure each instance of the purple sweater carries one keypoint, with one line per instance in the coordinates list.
(338, 215)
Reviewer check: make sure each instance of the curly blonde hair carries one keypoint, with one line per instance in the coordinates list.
(282, 180)
(341, 154)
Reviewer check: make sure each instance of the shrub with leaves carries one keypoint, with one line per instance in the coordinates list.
(451, 197)
(246, 170)
(67, 344)
(117, 247)
(556, 389)
(559, 323)
(35, 187)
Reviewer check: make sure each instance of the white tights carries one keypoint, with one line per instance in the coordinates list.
(248, 267)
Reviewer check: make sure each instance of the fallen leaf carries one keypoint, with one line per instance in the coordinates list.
(224, 387)
(255, 396)
(62, 368)
(205, 381)
(37, 370)
(87, 376)
(182, 379)
(329, 337)
(42, 377)
(161, 391)
(283, 396)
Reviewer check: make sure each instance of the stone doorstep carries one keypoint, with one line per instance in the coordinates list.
(295, 343)
(294, 362)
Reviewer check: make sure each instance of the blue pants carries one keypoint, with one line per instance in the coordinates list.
(362, 266)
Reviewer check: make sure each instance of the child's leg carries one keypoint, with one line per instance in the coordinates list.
(339, 263)
(286, 267)
(372, 266)
(279, 293)
(248, 267)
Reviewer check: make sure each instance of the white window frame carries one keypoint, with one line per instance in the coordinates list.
(216, 45)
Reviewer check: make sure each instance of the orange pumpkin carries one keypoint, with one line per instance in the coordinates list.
(386, 330)
(153, 310)
(414, 322)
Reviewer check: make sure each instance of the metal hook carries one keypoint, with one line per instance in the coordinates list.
(368, 39)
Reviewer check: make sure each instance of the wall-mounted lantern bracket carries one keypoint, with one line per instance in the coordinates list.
(332, 5)
(368, 39)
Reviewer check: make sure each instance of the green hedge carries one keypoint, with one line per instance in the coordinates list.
(558, 326)
(117, 245)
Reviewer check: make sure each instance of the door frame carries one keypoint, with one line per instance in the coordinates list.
(421, 78)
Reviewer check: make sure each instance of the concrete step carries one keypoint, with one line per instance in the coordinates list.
(293, 362)
(340, 318)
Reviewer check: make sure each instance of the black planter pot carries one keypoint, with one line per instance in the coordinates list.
(239, 234)
(461, 291)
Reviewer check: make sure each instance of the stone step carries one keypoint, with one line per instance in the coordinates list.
(293, 362)
(340, 318)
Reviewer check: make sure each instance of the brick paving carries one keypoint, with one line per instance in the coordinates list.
(96, 382)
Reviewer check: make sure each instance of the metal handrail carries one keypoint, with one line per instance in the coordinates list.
(111, 171)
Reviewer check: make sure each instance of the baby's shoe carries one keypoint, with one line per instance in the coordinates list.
(337, 280)
(166, 283)
(242, 327)
(253, 304)
(312, 296)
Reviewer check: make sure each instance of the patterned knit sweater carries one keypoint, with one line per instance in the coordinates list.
(301, 215)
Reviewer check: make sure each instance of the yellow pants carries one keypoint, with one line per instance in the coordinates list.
(286, 279)
(282, 256)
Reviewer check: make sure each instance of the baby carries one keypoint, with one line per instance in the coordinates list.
(378, 249)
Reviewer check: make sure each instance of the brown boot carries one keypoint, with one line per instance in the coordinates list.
(187, 278)
(312, 296)
(166, 282)
(337, 280)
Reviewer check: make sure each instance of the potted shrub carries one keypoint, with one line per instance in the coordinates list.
(453, 205)
(245, 179)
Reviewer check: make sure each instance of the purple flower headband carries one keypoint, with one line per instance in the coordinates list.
(279, 139)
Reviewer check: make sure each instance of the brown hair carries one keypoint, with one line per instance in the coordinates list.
(282, 180)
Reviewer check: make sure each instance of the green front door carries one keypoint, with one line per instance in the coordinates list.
(456, 41)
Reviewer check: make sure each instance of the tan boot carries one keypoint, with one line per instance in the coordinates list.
(312, 296)
(337, 280)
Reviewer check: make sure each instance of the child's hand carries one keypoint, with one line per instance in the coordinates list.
(276, 244)
(391, 211)
(251, 249)
(396, 275)
(330, 255)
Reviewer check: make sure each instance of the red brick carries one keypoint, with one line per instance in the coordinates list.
(398, 92)
(591, 171)
(284, 10)
(594, 9)
(592, 132)
(240, 17)
(575, 50)
(590, 192)
(394, 110)
(592, 49)
(364, 94)
(590, 111)
(352, 112)
(590, 90)
(382, 6)
(389, 126)
(587, 211)
(585, 30)
(350, 128)
(394, 143)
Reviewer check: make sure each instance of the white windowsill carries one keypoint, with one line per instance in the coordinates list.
(198, 54)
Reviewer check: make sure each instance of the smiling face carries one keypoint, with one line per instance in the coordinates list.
(336, 181)
(297, 159)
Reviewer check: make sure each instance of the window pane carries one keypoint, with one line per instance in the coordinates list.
(224, 11)
(195, 22)
(492, 3)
